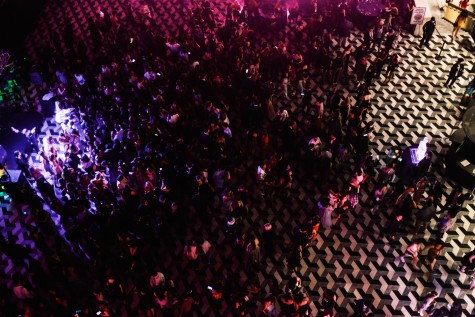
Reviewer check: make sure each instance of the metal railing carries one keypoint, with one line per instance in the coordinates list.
(439, 55)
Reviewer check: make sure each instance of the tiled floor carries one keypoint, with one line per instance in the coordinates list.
(354, 259)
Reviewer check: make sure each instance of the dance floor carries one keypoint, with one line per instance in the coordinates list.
(353, 258)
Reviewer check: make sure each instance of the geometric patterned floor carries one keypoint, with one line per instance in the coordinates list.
(353, 258)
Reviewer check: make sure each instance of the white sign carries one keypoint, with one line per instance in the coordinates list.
(418, 15)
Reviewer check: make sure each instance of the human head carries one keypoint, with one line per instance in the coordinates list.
(434, 294)
(418, 241)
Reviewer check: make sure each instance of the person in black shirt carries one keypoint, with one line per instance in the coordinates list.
(370, 74)
(428, 30)
(391, 39)
(328, 303)
(424, 215)
(392, 66)
(362, 308)
(455, 72)
(368, 38)
(332, 99)
(456, 310)
(468, 262)
(22, 162)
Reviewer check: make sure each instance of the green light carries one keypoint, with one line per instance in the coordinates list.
(9, 89)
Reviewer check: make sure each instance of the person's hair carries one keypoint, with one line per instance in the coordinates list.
(315, 220)
(457, 305)
(325, 201)
(253, 241)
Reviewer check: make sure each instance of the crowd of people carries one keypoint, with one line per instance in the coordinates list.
(164, 131)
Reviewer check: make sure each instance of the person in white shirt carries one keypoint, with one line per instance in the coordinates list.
(227, 131)
(325, 210)
(173, 46)
(412, 251)
(314, 145)
(150, 75)
(80, 79)
(118, 133)
(191, 251)
(261, 172)
(205, 248)
(61, 77)
(285, 86)
(428, 303)
(173, 119)
(157, 280)
(21, 292)
(19, 289)
(284, 115)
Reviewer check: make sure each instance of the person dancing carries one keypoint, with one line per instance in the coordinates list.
(31, 137)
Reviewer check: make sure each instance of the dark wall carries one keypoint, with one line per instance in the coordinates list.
(17, 19)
